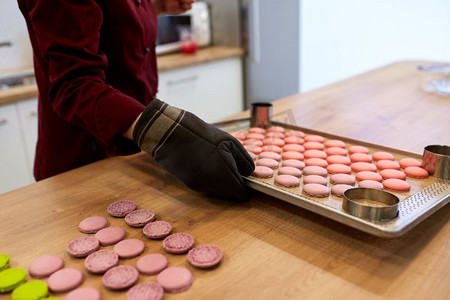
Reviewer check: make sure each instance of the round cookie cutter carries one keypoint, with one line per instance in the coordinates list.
(261, 115)
(385, 212)
(436, 160)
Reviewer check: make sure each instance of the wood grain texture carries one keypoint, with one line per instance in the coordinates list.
(272, 250)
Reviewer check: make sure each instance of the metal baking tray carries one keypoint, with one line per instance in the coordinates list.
(425, 197)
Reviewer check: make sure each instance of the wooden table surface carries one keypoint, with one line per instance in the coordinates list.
(273, 250)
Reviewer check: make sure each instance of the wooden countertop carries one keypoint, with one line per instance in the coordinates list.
(273, 250)
(165, 63)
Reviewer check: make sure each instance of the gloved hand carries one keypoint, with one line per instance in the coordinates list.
(204, 157)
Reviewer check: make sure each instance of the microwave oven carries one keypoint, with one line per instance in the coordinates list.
(171, 28)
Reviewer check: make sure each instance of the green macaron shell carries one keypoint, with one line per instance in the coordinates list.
(11, 278)
(4, 261)
(31, 290)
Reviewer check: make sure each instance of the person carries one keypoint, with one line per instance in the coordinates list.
(95, 67)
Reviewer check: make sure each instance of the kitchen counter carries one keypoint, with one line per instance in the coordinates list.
(273, 250)
(165, 63)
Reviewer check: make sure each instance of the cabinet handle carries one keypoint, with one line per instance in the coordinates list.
(182, 80)
(3, 121)
(32, 114)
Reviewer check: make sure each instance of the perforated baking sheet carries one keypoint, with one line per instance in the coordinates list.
(425, 196)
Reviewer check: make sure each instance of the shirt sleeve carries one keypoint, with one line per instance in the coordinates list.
(68, 37)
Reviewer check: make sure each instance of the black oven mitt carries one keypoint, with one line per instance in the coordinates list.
(204, 157)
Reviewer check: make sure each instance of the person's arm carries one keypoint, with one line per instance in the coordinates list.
(172, 6)
(67, 33)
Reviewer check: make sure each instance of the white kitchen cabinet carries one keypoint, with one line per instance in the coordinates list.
(211, 90)
(27, 111)
(14, 169)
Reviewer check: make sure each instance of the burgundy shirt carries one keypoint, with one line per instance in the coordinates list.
(95, 67)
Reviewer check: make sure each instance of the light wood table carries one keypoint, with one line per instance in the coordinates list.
(273, 250)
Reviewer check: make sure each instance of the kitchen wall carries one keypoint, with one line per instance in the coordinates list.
(13, 28)
(342, 38)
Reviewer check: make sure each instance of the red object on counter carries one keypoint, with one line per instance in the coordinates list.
(189, 47)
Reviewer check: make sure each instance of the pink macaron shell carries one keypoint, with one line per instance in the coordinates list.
(45, 265)
(397, 185)
(361, 157)
(295, 133)
(363, 166)
(93, 224)
(357, 149)
(110, 235)
(315, 179)
(274, 141)
(339, 159)
(121, 208)
(129, 248)
(178, 243)
(140, 217)
(316, 190)
(205, 256)
(272, 155)
(368, 175)
(175, 279)
(390, 173)
(292, 155)
(253, 142)
(65, 280)
(313, 146)
(315, 170)
(339, 189)
(146, 291)
(371, 184)
(272, 134)
(293, 163)
(388, 164)
(276, 129)
(238, 135)
(336, 151)
(342, 179)
(84, 293)
(267, 162)
(315, 154)
(101, 261)
(289, 171)
(271, 148)
(262, 172)
(253, 148)
(314, 138)
(382, 155)
(416, 172)
(83, 246)
(294, 147)
(157, 230)
(252, 155)
(257, 130)
(334, 143)
(316, 162)
(151, 264)
(287, 181)
(120, 277)
(339, 169)
(409, 162)
(254, 136)
(294, 140)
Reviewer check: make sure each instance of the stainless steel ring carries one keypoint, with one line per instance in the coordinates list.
(388, 211)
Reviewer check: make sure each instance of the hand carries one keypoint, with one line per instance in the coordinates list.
(206, 158)
(172, 6)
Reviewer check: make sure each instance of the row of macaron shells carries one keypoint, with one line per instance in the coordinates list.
(313, 155)
(106, 261)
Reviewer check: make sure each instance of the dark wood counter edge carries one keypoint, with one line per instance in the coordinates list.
(166, 62)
